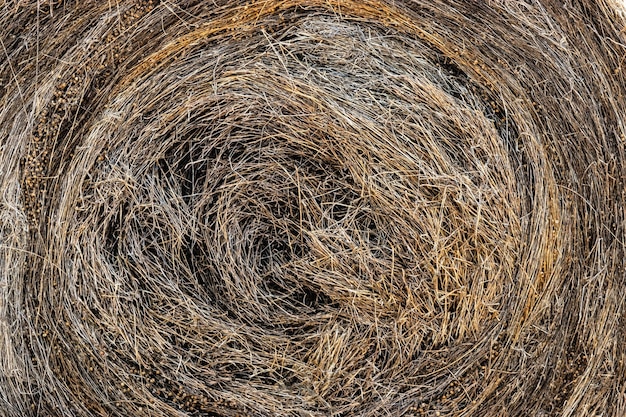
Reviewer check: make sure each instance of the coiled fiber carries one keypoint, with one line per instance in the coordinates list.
(312, 208)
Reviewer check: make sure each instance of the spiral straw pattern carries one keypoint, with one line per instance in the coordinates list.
(312, 208)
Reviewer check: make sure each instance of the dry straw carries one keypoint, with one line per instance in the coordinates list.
(312, 208)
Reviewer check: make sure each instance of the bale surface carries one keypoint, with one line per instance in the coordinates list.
(312, 208)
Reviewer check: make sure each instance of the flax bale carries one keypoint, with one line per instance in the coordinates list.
(312, 208)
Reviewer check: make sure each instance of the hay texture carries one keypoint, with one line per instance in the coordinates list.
(312, 208)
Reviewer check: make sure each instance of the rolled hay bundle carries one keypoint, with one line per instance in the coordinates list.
(312, 208)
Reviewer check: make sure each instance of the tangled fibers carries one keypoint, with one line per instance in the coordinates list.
(312, 208)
